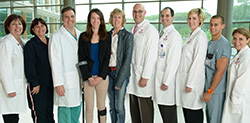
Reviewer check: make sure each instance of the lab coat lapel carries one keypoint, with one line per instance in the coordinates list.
(16, 42)
(193, 35)
(72, 39)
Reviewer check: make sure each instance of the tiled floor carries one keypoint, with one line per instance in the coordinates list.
(25, 118)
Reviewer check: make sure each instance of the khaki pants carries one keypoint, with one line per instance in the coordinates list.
(101, 91)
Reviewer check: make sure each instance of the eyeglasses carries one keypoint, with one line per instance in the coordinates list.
(140, 11)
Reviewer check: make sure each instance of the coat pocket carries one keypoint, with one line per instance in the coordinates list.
(136, 71)
(71, 80)
(237, 108)
(159, 78)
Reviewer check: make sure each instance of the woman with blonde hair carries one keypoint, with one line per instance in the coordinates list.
(119, 65)
(191, 72)
(236, 107)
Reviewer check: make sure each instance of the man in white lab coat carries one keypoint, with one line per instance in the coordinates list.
(143, 62)
(218, 56)
(63, 47)
(169, 55)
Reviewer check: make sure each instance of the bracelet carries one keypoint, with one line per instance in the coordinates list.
(210, 91)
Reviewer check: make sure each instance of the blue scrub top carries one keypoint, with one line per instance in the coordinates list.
(216, 50)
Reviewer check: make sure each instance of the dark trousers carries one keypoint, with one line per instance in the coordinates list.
(10, 118)
(41, 104)
(193, 116)
(141, 109)
(168, 113)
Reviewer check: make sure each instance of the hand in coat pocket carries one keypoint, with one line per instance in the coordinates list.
(13, 94)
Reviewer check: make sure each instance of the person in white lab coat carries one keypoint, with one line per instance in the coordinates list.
(236, 107)
(142, 67)
(12, 78)
(191, 72)
(169, 55)
(63, 47)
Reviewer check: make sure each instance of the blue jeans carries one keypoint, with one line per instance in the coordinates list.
(116, 99)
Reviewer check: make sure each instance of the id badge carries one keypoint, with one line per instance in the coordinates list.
(162, 54)
(208, 62)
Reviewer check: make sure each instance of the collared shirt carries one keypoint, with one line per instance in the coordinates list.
(140, 24)
(36, 62)
(113, 56)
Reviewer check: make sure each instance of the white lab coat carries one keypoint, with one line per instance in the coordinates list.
(143, 59)
(169, 55)
(236, 106)
(63, 57)
(191, 72)
(12, 77)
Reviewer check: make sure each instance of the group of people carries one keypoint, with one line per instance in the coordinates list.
(149, 66)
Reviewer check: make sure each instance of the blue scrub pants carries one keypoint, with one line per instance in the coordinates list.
(69, 114)
(214, 108)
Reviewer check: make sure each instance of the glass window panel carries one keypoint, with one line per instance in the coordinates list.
(181, 9)
(48, 2)
(23, 3)
(2, 33)
(26, 13)
(138, 0)
(241, 10)
(48, 10)
(108, 27)
(183, 29)
(82, 13)
(81, 27)
(3, 15)
(45, 13)
(100, 1)
(129, 27)
(26, 35)
(81, 1)
(205, 28)
(210, 6)
(106, 9)
(29, 35)
(156, 26)
(234, 52)
(152, 14)
(5, 4)
(52, 28)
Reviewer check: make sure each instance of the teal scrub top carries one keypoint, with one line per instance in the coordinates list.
(216, 49)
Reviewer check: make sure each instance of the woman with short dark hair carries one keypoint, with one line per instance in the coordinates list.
(12, 79)
(38, 73)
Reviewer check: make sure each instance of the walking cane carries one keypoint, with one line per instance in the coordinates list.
(78, 65)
